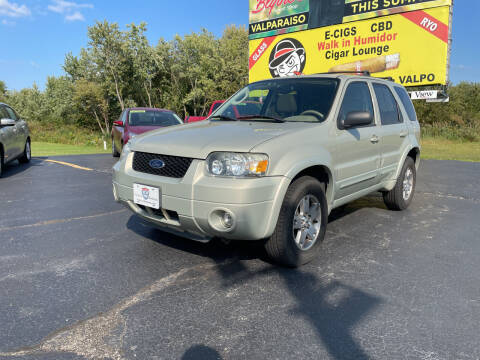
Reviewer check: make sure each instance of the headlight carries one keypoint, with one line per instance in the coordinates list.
(237, 164)
(125, 151)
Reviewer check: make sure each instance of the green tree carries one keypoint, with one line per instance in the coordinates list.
(58, 99)
(3, 90)
(29, 103)
(91, 103)
(196, 61)
(107, 45)
(234, 54)
(143, 58)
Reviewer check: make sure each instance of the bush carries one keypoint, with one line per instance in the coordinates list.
(64, 134)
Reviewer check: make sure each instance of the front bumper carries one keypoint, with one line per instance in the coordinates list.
(194, 204)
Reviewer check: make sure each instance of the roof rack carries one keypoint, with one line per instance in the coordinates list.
(389, 78)
(364, 73)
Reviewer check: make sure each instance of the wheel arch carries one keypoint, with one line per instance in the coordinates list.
(320, 171)
(323, 174)
(414, 153)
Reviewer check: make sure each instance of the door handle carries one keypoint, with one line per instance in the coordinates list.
(403, 134)
(374, 139)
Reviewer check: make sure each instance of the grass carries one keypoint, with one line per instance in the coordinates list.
(443, 149)
(49, 149)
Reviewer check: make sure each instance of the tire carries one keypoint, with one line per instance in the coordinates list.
(282, 246)
(400, 197)
(1, 162)
(115, 153)
(27, 154)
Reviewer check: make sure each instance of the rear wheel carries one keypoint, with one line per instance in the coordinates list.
(27, 153)
(400, 197)
(1, 161)
(301, 224)
(115, 153)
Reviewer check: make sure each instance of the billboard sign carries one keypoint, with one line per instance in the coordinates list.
(275, 17)
(411, 47)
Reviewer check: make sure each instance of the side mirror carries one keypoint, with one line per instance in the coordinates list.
(357, 118)
(118, 123)
(7, 122)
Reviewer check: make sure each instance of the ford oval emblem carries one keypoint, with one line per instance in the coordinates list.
(156, 164)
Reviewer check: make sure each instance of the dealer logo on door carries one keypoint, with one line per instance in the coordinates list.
(287, 58)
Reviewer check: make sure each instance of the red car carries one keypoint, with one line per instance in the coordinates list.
(235, 111)
(136, 121)
(214, 107)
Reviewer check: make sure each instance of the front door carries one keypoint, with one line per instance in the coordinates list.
(18, 140)
(7, 136)
(357, 155)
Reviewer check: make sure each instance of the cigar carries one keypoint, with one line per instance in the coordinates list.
(372, 65)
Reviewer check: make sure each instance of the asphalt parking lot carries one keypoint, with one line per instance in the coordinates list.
(82, 278)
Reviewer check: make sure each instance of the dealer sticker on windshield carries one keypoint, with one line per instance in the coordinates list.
(146, 196)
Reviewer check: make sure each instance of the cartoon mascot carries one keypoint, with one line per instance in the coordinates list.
(287, 58)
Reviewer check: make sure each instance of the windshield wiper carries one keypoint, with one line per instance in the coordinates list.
(253, 117)
(223, 118)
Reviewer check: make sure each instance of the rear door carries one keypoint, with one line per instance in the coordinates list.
(411, 115)
(357, 155)
(393, 132)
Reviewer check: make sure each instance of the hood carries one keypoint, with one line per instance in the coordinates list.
(199, 139)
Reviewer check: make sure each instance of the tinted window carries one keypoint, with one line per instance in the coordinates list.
(357, 98)
(407, 103)
(11, 113)
(387, 105)
(152, 118)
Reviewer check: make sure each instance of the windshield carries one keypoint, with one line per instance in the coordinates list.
(152, 118)
(296, 99)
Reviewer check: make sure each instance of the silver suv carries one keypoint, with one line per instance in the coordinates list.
(14, 137)
(312, 143)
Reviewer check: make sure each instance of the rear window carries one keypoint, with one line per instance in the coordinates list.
(152, 118)
(387, 105)
(407, 103)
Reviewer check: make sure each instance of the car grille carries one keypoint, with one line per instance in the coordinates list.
(175, 166)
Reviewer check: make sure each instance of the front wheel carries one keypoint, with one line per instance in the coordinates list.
(301, 224)
(115, 153)
(27, 153)
(400, 197)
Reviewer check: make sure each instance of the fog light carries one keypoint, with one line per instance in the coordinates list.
(227, 220)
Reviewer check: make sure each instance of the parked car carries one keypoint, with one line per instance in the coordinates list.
(247, 108)
(136, 121)
(317, 143)
(14, 137)
(215, 105)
